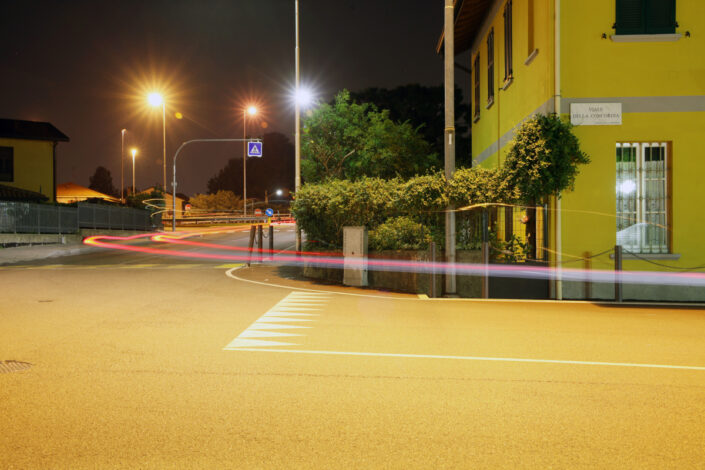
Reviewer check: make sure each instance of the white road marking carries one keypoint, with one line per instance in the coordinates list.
(277, 318)
(478, 358)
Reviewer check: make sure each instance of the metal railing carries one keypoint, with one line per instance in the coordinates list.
(25, 217)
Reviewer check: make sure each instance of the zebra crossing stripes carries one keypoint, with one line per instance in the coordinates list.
(285, 322)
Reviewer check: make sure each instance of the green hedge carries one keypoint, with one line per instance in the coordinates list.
(542, 161)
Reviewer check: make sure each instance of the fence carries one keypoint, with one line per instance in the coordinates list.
(25, 217)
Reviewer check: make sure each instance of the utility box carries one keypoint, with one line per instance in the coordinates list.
(355, 256)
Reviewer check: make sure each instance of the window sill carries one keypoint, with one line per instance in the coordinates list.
(507, 82)
(489, 103)
(645, 37)
(650, 256)
(531, 57)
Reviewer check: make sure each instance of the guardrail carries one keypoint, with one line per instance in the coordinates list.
(27, 217)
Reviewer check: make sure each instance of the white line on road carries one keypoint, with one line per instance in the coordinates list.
(473, 358)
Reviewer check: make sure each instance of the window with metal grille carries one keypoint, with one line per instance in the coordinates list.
(476, 114)
(642, 197)
(645, 17)
(490, 67)
(7, 164)
(508, 72)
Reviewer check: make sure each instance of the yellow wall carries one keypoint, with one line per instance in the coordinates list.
(532, 85)
(33, 165)
(592, 67)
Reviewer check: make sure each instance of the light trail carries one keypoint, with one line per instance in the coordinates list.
(329, 260)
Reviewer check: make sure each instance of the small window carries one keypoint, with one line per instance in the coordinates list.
(645, 17)
(476, 66)
(490, 67)
(7, 164)
(508, 72)
(642, 197)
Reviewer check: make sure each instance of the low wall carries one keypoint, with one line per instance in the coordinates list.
(412, 281)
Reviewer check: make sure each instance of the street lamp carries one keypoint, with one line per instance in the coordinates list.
(251, 110)
(122, 166)
(155, 99)
(279, 192)
(134, 152)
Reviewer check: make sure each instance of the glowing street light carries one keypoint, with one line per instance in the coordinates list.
(251, 110)
(279, 192)
(155, 99)
(134, 152)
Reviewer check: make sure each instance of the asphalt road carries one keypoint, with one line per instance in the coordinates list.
(142, 360)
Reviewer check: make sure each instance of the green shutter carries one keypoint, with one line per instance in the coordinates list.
(661, 16)
(630, 16)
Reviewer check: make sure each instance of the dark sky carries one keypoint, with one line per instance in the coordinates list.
(86, 67)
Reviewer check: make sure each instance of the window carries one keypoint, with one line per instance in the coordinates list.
(645, 17)
(7, 167)
(642, 196)
(490, 67)
(476, 66)
(508, 72)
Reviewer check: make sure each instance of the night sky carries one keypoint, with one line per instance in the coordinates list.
(86, 67)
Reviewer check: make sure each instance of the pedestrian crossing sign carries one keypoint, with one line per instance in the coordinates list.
(254, 149)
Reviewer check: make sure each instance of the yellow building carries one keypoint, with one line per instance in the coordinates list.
(630, 75)
(28, 155)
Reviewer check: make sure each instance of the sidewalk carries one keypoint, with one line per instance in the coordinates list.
(20, 254)
(75, 246)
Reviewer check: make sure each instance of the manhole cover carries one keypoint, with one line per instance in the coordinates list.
(13, 366)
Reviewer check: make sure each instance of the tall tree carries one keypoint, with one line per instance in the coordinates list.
(422, 107)
(274, 170)
(350, 140)
(102, 181)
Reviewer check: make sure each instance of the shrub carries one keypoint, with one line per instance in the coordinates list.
(399, 233)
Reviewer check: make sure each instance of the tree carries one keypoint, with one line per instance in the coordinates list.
(220, 201)
(351, 140)
(274, 170)
(102, 182)
(423, 108)
(542, 161)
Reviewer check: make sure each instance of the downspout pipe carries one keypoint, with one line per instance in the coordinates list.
(557, 109)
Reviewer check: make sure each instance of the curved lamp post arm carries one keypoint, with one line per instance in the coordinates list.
(173, 188)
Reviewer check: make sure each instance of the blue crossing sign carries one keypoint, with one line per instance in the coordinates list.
(254, 149)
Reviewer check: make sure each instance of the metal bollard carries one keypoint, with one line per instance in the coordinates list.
(271, 242)
(252, 242)
(259, 241)
(433, 270)
(617, 273)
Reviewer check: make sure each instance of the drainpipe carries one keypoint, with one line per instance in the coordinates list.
(557, 109)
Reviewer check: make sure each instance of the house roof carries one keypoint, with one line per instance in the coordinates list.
(31, 130)
(73, 190)
(10, 193)
(469, 15)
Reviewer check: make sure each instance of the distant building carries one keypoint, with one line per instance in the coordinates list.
(167, 201)
(28, 155)
(71, 192)
(631, 78)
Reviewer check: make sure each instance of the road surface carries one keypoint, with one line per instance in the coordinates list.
(141, 360)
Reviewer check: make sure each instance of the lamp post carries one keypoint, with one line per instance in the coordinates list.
(251, 110)
(297, 123)
(122, 166)
(155, 99)
(134, 152)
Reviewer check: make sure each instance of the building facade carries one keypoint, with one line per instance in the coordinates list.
(630, 75)
(28, 155)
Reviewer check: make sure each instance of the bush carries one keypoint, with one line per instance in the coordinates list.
(399, 233)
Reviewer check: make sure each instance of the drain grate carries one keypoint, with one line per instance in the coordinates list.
(13, 366)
